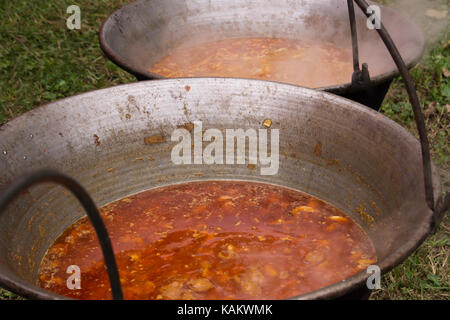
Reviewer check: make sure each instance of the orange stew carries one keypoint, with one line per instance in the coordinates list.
(212, 240)
(292, 61)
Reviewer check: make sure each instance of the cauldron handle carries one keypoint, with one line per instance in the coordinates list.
(89, 206)
(443, 203)
(360, 77)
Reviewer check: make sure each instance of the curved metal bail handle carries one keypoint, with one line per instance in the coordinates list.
(89, 206)
(360, 78)
(444, 202)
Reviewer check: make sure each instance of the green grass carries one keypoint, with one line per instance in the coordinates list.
(433, 89)
(41, 61)
(425, 274)
(6, 295)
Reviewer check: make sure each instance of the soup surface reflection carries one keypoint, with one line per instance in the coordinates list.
(297, 62)
(212, 240)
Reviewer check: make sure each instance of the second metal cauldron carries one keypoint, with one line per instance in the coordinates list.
(143, 32)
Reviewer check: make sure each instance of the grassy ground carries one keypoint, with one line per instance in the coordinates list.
(425, 274)
(41, 61)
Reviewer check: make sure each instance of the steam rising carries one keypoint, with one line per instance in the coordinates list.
(432, 16)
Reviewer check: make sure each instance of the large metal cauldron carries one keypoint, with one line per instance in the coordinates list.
(367, 165)
(141, 33)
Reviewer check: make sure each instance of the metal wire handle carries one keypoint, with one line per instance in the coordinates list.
(89, 206)
(444, 202)
(360, 78)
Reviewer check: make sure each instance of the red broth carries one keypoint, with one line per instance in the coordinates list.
(212, 240)
(297, 62)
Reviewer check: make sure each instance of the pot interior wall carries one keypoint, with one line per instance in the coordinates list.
(143, 32)
(331, 148)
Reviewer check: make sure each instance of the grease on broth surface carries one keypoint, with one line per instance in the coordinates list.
(212, 240)
(297, 62)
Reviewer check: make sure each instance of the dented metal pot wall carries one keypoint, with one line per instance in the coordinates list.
(117, 142)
